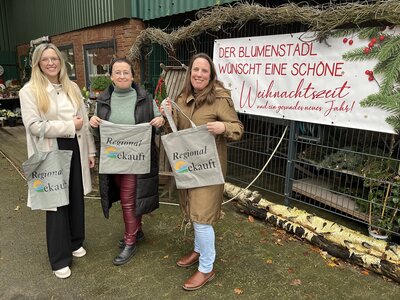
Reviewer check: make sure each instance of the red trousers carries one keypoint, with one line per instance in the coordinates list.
(127, 189)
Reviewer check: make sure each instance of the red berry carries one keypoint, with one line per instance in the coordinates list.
(371, 44)
(367, 72)
(373, 40)
(370, 78)
(345, 40)
(367, 50)
(382, 37)
(350, 42)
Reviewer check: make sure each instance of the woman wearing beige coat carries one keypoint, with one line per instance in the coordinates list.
(50, 97)
(205, 101)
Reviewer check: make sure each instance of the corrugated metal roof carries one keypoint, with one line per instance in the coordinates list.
(30, 19)
(33, 18)
(148, 10)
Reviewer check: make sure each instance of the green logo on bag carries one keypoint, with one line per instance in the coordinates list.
(111, 152)
(38, 185)
(181, 167)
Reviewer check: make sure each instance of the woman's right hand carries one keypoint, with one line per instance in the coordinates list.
(95, 121)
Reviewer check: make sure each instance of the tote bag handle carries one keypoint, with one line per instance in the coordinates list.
(169, 115)
(41, 138)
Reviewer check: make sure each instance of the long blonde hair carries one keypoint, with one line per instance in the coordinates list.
(40, 82)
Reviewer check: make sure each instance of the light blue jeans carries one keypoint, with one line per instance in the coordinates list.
(204, 243)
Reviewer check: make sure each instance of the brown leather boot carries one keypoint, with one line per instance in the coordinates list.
(197, 280)
(188, 260)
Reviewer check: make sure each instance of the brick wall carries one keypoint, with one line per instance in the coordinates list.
(124, 32)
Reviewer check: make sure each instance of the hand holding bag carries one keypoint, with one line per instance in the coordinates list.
(47, 174)
(192, 154)
(125, 149)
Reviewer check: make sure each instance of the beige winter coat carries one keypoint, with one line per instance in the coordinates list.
(203, 205)
(59, 125)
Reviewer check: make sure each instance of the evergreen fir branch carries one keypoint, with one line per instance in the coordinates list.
(359, 55)
(392, 75)
(380, 67)
(389, 48)
(390, 103)
(369, 32)
(394, 121)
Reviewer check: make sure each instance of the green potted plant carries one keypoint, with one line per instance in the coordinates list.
(99, 83)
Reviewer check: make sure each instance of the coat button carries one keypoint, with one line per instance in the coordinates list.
(79, 135)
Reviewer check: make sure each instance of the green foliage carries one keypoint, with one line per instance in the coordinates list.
(344, 159)
(100, 82)
(384, 207)
(390, 47)
(369, 32)
(378, 170)
(394, 121)
(390, 103)
(359, 55)
(386, 51)
(392, 75)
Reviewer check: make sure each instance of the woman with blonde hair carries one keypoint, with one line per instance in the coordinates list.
(51, 99)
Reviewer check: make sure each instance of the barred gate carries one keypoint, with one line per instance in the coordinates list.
(344, 171)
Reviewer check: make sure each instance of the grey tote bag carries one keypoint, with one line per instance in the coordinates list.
(47, 174)
(125, 149)
(192, 154)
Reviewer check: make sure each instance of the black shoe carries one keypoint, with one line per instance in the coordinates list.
(126, 254)
(139, 238)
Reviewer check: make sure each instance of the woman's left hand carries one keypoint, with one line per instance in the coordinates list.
(157, 122)
(216, 127)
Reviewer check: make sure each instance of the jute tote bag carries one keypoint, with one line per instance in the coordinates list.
(47, 174)
(192, 154)
(124, 149)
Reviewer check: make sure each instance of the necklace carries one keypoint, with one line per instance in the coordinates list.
(57, 86)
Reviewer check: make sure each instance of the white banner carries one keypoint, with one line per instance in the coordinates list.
(283, 76)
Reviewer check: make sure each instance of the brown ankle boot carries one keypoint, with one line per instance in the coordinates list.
(188, 260)
(197, 280)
